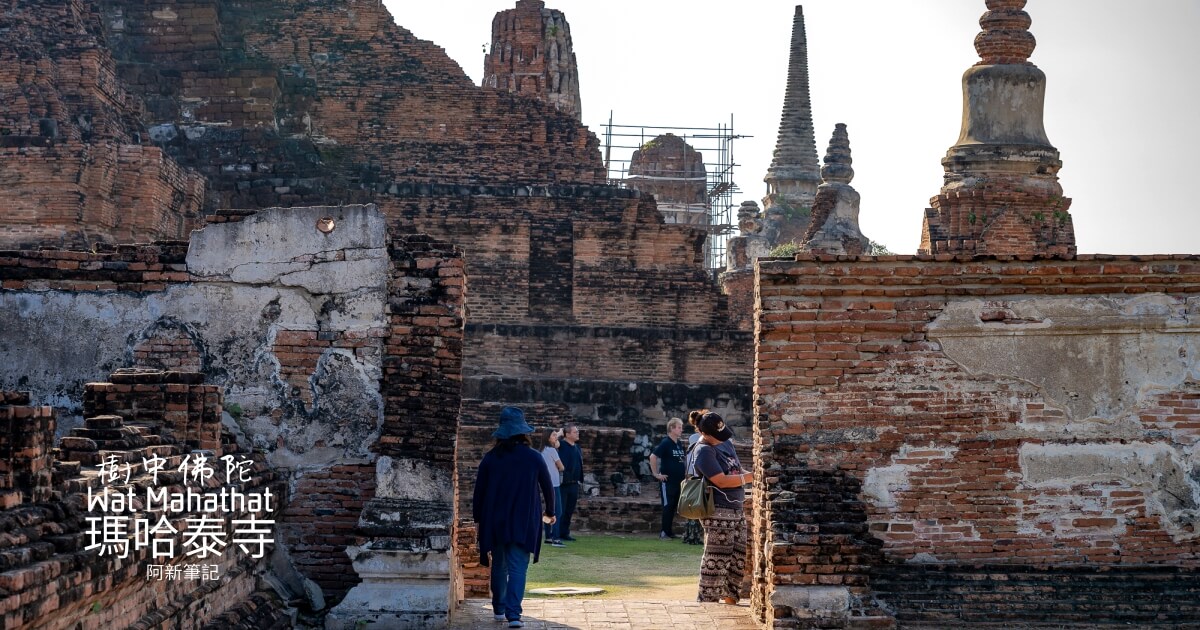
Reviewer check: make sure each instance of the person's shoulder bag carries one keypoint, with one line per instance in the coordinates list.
(695, 493)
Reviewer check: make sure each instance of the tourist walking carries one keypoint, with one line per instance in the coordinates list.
(572, 473)
(666, 462)
(724, 560)
(509, 513)
(554, 466)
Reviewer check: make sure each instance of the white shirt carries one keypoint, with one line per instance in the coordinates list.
(550, 454)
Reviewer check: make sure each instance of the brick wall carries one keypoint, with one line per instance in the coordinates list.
(71, 139)
(355, 79)
(26, 436)
(315, 418)
(422, 381)
(683, 355)
(175, 402)
(971, 411)
(134, 268)
(320, 521)
(47, 577)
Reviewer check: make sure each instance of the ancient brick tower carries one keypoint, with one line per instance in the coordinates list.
(1001, 192)
(794, 174)
(532, 55)
(672, 171)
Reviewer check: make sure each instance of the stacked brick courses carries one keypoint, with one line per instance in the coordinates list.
(320, 521)
(47, 577)
(70, 139)
(177, 403)
(26, 435)
(865, 413)
(132, 268)
(422, 382)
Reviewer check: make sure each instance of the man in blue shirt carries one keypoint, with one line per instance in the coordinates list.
(572, 473)
(666, 462)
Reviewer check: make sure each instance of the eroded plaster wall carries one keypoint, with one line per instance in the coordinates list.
(290, 320)
(1025, 415)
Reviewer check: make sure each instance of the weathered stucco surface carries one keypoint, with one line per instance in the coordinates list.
(1098, 366)
(269, 274)
(1094, 358)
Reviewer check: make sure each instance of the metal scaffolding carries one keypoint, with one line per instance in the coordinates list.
(715, 145)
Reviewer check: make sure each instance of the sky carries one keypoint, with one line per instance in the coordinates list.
(1122, 104)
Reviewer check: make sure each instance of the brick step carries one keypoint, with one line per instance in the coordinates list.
(876, 622)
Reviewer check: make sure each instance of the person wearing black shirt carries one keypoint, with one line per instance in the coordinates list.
(572, 473)
(666, 462)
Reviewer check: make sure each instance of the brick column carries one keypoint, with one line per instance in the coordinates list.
(409, 567)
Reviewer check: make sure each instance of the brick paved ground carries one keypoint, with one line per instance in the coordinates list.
(609, 614)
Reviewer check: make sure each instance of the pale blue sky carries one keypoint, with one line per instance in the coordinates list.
(1121, 104)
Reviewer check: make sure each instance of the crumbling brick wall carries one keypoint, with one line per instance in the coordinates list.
(515, 184)
(1031, 415)
(177, 401)
(26, 436)
(71, 139)
(48, 576)
(263, 322)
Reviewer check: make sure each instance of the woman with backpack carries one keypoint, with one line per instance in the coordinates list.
(724, 562)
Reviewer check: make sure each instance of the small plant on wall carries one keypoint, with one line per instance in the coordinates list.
(785, 250)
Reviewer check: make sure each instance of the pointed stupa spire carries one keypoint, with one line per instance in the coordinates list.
(796, 149)
(837, 167)
(834, 228)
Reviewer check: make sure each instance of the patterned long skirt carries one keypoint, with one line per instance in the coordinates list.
(724, 561)
(692, 534)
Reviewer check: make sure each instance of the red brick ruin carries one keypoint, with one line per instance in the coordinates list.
(293, 232)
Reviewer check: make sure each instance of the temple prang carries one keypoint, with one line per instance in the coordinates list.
(531, 54)
(669, 168)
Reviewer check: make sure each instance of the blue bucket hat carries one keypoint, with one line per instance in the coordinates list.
(512, 422)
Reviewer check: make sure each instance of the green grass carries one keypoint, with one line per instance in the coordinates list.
(626, 566)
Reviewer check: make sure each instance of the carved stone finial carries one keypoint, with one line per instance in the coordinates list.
(837, 158)
(1005, 38)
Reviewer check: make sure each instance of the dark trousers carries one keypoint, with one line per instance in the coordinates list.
(670, 503)
(570, 496)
